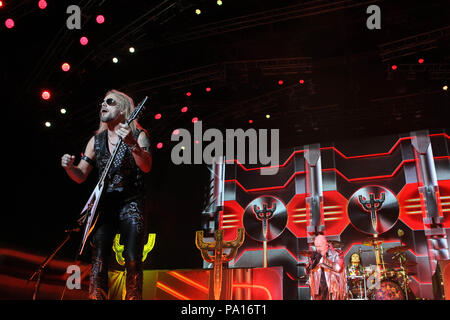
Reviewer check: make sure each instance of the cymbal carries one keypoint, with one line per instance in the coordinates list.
(404, 264)
(371, 242)
(399, 249)
(336, 244)
(306, 253)
(398, 270)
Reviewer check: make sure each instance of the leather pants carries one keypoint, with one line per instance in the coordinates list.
(127, 219)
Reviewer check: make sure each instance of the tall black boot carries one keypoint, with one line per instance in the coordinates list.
(134, 280)
(98, 280)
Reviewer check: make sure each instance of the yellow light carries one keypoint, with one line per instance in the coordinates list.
(48, 124)
(332, 212)
(132, 50)
(268, 116)
(332, 207)
(115, 60)
(230, 221)
(228, 215)
(414, 200)
(198, 11)
(414, 206)
(445, 88)
(219, 2)
(63, 111)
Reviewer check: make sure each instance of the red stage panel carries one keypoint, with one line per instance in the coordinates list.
(334, 212)
(297, 216)
(231, 219)
(412, 209)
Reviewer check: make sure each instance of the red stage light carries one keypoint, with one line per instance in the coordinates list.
(188, 93)
(159, 145)
(84, 41)
(280, 82)
(158, 116)
(45, 95)
(65, 67)
(250, 121)
(9, 23)
(184, 109)
(194, 120)
(208, 89)
(42, 4)
(1, 4)
(100, 19)
(394, 67)
(302, 81)
(175, 132)
(421, 60)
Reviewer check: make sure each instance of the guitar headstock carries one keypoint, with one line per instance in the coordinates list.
(137, 111)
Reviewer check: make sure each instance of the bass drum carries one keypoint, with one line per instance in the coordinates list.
(388, 290)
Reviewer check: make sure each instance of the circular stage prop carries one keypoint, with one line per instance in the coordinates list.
(265, 218)
(373, 209)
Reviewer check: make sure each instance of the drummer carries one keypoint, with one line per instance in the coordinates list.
(355, 267)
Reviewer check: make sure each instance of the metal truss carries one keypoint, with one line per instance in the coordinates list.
(303, 9)
(219, 73)
(436, 71)
(413, 44)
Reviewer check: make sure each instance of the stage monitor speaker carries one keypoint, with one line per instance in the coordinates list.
(441, 280)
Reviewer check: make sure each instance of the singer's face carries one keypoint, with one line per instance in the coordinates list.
(355, 259)
(321, 245)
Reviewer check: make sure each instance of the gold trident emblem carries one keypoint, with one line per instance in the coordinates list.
(219, 257)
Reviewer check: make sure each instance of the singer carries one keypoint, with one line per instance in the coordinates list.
(327, 276)
(121, 206)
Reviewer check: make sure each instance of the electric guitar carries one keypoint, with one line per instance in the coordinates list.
(88, 215)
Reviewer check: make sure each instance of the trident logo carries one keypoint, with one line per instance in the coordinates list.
(264, 215)
(219, 257)
(372, 205)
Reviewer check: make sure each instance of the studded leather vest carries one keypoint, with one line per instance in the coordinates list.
(125, 178)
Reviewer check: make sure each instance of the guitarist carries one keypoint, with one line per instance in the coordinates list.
(121, 205)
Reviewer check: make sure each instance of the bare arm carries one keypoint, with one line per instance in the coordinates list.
(141, 154)
(80, 172)
(141, 147)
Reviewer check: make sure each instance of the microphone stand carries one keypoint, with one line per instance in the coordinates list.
(41, 268)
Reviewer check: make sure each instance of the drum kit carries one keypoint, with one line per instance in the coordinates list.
(382, 281)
